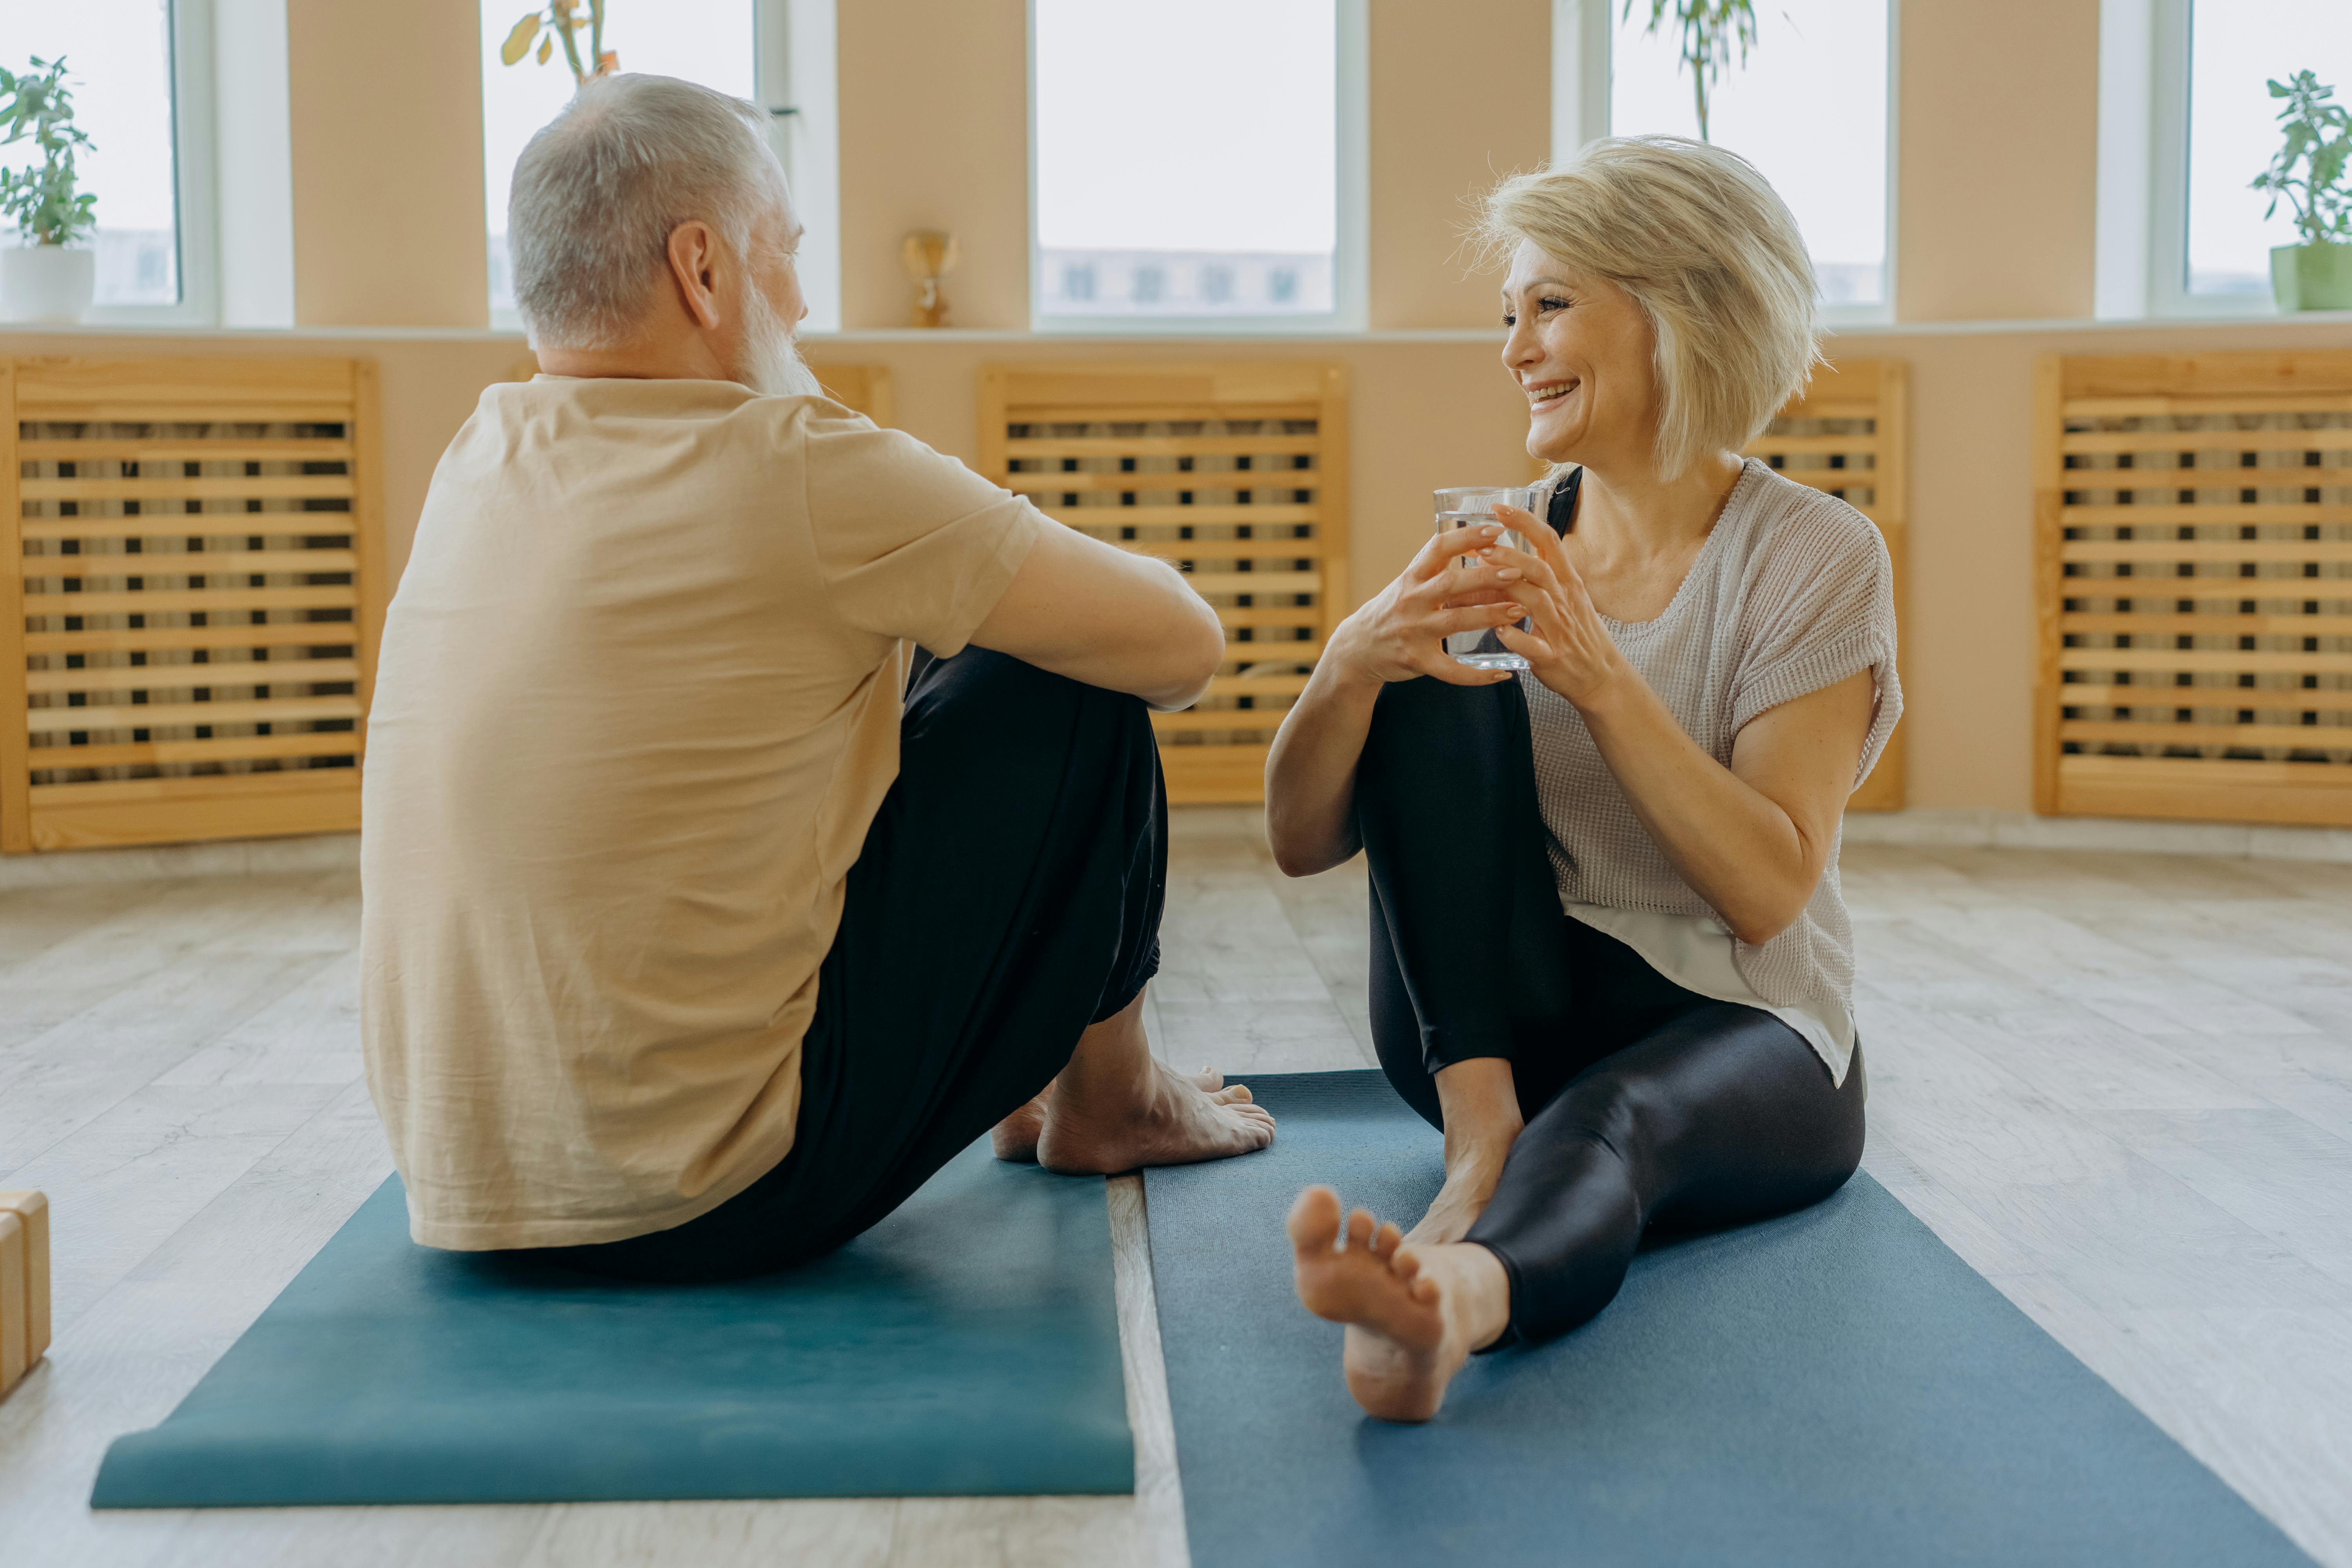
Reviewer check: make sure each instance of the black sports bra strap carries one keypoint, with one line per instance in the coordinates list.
(1561, 514)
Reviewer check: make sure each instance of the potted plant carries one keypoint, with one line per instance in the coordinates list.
(45, 278)
(2315, 275)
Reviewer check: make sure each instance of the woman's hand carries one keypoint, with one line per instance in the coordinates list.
(1567, 648)
(1450, 587)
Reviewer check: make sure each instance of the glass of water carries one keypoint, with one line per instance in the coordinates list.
(1460, 507)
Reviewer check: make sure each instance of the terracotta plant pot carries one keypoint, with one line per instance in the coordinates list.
(46, 283)
(2312, 277)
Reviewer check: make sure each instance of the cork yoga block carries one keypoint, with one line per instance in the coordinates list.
(24, 1284)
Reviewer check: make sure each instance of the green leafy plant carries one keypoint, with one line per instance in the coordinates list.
(1710, 30)
(2318, 137)
(562, 20)
(42, 199)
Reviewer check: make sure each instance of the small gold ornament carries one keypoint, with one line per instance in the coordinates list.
(929, 255)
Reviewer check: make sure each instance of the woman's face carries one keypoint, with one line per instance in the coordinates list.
(1581, 350)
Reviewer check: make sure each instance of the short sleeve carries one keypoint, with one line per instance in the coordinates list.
(1819, 606)
(911, 543)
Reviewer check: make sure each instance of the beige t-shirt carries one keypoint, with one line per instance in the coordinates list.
(636, 706)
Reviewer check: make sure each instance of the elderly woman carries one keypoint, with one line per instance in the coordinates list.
(1610, 959)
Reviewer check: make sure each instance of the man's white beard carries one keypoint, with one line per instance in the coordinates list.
(772, 360)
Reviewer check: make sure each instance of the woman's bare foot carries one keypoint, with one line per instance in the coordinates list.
(1093, 1127)
(1413, 1315)
(1470, 1179)
(1015, 1138)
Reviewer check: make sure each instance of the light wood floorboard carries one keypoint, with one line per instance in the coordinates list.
(2118, 1085)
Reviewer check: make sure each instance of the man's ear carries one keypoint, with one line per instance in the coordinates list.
(693, 263)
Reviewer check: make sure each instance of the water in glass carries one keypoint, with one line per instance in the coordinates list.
(1459, 508)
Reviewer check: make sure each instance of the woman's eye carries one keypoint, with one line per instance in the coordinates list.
(1551, 304)
(1511, 321)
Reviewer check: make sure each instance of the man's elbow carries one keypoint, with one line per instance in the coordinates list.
(1193, 654)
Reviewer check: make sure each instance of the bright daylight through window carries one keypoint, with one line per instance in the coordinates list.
(706, 41)
(1187, 158)
(118, 58)
(1806, 107)
(2235, 50)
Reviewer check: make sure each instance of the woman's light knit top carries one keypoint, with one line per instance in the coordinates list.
(1792, 592)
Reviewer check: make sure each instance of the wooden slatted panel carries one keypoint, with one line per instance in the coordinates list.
(1234, 470)
(1850, 433)
(865, 388)
(189, 609)
(2193, 523)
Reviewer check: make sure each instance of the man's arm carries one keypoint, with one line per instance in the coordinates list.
(1096, 614)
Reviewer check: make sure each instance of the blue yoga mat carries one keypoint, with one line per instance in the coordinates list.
(1832, 1388)
(967, 1345)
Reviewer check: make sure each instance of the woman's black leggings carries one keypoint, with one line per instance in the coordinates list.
(1645, 1103)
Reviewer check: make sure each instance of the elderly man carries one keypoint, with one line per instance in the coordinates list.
(697, 935)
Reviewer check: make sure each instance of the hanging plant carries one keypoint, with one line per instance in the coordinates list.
(1710, 30)
(562, 21)
(43, 200)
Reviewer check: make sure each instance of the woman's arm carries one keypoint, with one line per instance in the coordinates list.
(1398, 634)
(1752, 838)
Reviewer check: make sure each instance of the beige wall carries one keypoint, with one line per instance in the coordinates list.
(935, 134)
(1458, 95)
(1996, 138)
(1998, 147)
(1426, 414)
(1997, 160)
(387, 116)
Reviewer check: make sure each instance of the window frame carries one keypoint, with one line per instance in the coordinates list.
(189, 28)
(1583, 34)
(2171, 97)
(1350, 243)
(793, 78)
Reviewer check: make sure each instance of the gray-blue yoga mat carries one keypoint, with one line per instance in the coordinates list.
(968, 1344)
(1830, 1388)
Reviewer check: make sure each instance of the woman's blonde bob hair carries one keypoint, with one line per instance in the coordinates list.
(1710, 253)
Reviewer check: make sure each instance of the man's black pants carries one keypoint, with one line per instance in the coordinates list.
(1008, 896)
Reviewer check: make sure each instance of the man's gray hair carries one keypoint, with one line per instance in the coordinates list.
(599, 189)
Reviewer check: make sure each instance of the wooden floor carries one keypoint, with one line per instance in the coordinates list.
(2119, 1085)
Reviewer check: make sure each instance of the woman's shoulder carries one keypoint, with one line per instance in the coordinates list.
(1791, 526)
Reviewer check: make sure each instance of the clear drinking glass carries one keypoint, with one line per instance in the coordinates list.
(1459, 508)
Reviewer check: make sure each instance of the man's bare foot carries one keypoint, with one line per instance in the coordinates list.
(1015, 1138)
(1413, 1316)
(1097, 1127)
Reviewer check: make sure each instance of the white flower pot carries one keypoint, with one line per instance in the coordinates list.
(46, 283)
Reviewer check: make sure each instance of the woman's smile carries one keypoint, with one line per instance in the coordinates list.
(1543, 396)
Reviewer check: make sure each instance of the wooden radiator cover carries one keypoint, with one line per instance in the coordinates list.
(2194, 586)
(189, 617)
(1850, 433)
(1235, 470)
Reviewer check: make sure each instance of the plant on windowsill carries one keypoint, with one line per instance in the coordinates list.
(2315, 275)
(48, 278)
(563, 19)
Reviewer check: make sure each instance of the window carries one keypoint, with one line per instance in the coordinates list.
(777, 53)
(1196, 165)
(126, 61)
(1808, 108)
(2234, 50)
